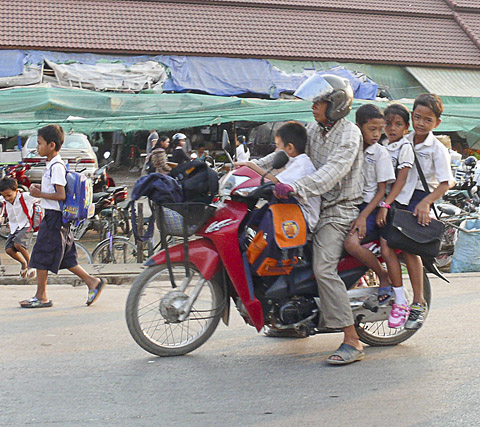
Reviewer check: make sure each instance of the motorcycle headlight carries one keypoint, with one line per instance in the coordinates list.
(229, 182)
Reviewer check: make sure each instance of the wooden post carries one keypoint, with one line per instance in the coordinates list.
(140, 222)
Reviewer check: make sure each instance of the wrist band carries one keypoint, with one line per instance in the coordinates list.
(382, 204)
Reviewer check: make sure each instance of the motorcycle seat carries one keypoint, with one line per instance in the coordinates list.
(99, 196)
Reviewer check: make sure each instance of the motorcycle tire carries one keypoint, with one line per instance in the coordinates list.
(378, 334)
(152, 293)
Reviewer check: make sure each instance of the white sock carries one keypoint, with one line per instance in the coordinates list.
(400, 296)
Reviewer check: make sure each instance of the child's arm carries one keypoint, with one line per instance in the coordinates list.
(59, 195)
(422, 210)
(360, 224)
(257, 169)
(394, 192)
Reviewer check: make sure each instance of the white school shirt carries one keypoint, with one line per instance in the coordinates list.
(377, 167)
(242, 156)
(434, 160)
(16, 216)
(51, 177)
(401, 153)
(296, 168)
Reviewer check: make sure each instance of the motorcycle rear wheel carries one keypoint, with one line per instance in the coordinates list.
(156, 334)
(378, 334)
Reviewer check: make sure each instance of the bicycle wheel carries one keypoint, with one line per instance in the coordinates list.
(84, 256)
(117, 250)
(152, 310)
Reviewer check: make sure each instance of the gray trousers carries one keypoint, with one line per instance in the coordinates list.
(327, 250)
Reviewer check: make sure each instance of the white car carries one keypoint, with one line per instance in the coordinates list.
(76, 150)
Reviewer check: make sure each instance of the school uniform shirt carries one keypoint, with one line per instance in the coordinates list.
(434, 160)
(296, 168)
(17, 218)
(377, 167)
(401, 154)
(54, 175)
(242, 156)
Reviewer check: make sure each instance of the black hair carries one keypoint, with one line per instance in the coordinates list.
(162, 138)
(8, 183)
(430, 100)
(52, 133)
(368, 112)
(399, 110)
(242, 139)
(293, 133)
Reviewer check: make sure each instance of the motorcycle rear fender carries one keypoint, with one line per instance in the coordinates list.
(202, 254)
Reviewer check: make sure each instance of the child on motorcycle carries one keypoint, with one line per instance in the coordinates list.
(377, 173)
(19, 207)
(408, 193)
(292, 138)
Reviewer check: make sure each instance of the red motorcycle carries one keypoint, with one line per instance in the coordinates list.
(177, 302)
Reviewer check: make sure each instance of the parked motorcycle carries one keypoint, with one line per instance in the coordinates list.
(176, 303)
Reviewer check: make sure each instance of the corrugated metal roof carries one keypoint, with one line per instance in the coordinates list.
(448, 82)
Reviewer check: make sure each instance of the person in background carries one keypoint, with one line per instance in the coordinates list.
(158, 156)
(242, 152)
(179, 156)
(201, 154)
(118, 140)
(151, 140)
(186, 145)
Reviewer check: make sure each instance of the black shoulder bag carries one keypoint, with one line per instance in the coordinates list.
(407, 234)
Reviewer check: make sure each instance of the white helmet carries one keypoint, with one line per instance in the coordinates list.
(179, 136)
(335, 90)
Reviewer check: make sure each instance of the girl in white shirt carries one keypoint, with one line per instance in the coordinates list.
(243, 153)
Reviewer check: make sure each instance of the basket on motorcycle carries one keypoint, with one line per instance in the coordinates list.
(180, 219)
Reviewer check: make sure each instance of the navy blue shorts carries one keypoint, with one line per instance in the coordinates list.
(373, 231)
(417, 197)
(55, 248)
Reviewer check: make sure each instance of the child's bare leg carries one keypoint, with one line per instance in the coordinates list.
(393, 264)
(42, 277)
(23, 251)
(91, 282)
(354, 248)
(17, 257)
(415, 272)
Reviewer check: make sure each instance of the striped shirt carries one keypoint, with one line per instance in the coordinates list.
(338, 158)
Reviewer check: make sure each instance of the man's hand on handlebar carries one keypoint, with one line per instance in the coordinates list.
(283, 191)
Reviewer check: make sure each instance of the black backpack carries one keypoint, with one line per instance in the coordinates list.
(199, 182)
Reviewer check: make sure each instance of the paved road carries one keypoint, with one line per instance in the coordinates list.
(73, 365)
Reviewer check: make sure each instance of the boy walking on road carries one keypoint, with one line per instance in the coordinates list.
(55, 248)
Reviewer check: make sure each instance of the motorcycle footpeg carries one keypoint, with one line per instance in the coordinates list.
(370, 305)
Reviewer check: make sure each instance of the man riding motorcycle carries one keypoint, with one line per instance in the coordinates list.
(334, 146)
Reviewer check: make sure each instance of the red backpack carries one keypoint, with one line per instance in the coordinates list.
(37, 214)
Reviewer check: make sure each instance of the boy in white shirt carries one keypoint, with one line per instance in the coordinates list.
(292, 138)
(377, 173)
(55, 248)
(19, 222)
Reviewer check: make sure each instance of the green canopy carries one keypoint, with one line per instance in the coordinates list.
(87, 111)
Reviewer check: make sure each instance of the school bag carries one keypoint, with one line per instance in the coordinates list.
(37, 216)
(281, 234)
(78, 204)
(199, 181)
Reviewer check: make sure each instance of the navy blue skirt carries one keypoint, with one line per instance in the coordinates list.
(55, 248)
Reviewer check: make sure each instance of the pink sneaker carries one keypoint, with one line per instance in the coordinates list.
(398, 315)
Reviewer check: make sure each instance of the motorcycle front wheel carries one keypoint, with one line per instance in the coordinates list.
(153, 307)
(379, 334)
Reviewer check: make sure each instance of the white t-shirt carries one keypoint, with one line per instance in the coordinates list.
(242, 156)
(296, 168)
(16, 216)
(401, 153)
(434, 160)
(377, 167)
(53, 175)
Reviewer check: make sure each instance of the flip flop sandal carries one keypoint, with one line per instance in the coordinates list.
(348, 354)
(35, 303)
(93, 294)
(384, 295)
(23, 273)
(31, 273)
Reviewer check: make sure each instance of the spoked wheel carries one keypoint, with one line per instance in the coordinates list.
(154, 307)
(379, 333)
(117, 250)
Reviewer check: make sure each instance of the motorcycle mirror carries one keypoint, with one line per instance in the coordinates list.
(225, 141)
(106, 155)
(280, 159)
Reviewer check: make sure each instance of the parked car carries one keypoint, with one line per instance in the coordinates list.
(76, 150)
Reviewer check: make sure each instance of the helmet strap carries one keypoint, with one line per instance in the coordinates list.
(326, 127)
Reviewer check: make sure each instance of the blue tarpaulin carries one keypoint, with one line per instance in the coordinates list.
(212, 75)
(11, 63)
